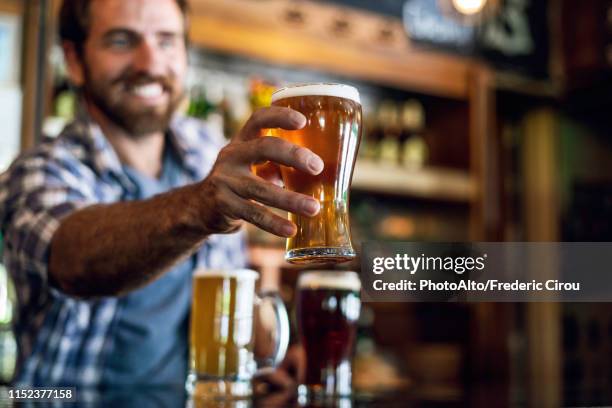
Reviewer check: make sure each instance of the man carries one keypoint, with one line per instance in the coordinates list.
(105, 224)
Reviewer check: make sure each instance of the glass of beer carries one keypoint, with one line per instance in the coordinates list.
(222, 338)
(332, 131)
(328, 307)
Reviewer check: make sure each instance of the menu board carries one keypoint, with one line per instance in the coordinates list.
(517, 38)
(425, 21)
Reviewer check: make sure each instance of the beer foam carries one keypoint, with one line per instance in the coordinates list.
(226, 273)
(337, 90)
(330, 280)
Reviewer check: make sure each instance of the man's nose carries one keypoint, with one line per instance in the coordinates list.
(149, 58)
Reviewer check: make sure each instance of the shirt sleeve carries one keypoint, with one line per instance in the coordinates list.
(35, 194)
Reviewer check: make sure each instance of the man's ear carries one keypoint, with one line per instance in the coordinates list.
(74, 64)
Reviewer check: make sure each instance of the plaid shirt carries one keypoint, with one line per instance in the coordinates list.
(63, 340)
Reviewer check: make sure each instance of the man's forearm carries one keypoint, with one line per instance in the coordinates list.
(108, 250)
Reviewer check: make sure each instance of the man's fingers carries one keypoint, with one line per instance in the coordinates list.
(263, 218)
(295, 363)
(274, 196)
(279, 151)
(278, 380)
(272, 117)
(270, 172)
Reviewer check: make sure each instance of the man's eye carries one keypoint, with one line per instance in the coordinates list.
(119, 42)
(167, 42)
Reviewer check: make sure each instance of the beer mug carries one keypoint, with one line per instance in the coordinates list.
(222, 338)
(328, 307)
(332, 131)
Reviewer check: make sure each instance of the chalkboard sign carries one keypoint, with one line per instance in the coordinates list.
(391, 8)
(514, 38)
(517, 37)
(425, 21)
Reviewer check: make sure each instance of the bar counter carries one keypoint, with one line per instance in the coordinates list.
(480, 395)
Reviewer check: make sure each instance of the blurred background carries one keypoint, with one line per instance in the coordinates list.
(484, 120)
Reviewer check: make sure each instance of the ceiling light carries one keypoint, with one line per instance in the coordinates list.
(469, 7)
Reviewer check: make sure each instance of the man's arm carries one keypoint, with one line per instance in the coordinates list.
(107, 250)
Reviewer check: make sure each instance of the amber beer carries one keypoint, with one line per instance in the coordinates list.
(328, 307)
(333, 131)
(222, 361)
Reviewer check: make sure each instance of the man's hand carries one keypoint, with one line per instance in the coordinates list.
(100, 251)
(289, 374)
(232, 192)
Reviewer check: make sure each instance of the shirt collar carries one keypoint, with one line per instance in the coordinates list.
(104, 159)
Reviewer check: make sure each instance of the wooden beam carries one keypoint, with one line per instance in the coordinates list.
(257, 29)
(11, 6)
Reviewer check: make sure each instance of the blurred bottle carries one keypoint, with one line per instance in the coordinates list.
(199, 105)
(413, 149)
(369, 142)
(65, 104)
(388, 121)
(260, 93)
(64, 111)
(205, 103)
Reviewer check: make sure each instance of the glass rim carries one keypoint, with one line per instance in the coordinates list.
(318, 89)
(238, 273)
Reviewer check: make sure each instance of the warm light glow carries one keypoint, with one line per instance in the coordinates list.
(469, 7)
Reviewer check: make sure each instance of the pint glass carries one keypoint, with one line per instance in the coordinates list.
(328, 307)
(332, 131)
(222, 361)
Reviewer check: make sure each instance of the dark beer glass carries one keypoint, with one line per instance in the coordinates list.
(328, 307)
(333, 131)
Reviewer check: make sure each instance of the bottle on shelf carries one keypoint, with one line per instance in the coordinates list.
(413, 149)
(389, 124)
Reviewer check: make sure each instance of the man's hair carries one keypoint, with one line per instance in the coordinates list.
(74, 21)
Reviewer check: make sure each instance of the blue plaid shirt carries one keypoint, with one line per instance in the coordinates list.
(63, 340)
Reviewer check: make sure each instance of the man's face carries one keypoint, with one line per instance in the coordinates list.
(134, 62)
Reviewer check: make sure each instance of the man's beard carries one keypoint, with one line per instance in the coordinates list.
(136, 122)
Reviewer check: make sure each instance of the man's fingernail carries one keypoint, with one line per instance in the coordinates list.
(298, 119)
(288, 230)
(315, 164)
(311, 207)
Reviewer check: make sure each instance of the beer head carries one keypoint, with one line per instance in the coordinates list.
(334, 280)
(226, 273)
(337, 90)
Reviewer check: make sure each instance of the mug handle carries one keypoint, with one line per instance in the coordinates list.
(282, 331)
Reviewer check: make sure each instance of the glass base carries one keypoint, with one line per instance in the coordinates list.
(320, 255)
(218, 389)
(317, 396)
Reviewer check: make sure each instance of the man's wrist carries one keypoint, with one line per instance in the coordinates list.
(191, 211)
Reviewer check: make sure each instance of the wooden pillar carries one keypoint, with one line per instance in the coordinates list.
(485, 212)
(490, 322)
(542, 223)
(37, 36)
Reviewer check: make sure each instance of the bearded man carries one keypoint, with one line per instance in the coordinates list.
(105, 224)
